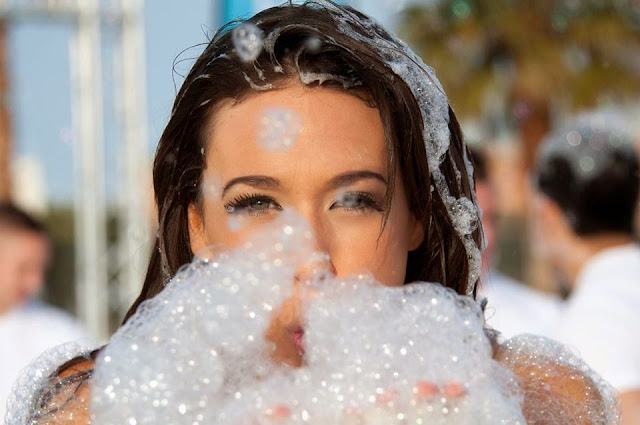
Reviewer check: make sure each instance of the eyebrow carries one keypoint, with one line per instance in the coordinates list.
(261, 182)
(351, 177)
(341, 180)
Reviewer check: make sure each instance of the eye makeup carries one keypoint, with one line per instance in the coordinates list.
(357, 201)
(252, 204)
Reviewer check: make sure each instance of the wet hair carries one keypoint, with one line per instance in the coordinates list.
(306, 42)
(479, 159)
(589, 168)
(12, 217)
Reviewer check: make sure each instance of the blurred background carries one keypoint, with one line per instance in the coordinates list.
(87, 86)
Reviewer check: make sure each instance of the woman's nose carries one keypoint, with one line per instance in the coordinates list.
(316, 269)
(312, 255)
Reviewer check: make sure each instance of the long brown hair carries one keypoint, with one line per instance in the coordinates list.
(306, 39)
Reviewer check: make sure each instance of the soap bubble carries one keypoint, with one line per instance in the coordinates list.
(236, 222)
(348, 199)
(574, 138)
(247, 40)
(313, 44)
(278, 128)
(211, 188)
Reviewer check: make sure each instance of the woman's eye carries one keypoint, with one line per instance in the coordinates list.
(252, 205)
(357, 201)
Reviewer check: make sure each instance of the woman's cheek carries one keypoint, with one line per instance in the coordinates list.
(235, 229)
(355, 247)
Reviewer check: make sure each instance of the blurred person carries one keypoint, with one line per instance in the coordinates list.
(27, 327)
(512, 307)
(587, 183)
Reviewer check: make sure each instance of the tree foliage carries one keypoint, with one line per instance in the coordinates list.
(578, 52)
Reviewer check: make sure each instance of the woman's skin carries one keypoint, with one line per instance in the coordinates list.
(334, 175)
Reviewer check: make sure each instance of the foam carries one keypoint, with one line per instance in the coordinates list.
(374, 354)
(278, 128)
(195, 353)
(31, 394)
(419, 353)
(582, 397)
(247, 41)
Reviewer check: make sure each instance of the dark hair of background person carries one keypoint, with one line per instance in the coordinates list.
(219, 74)
(16, 219)
(604, 202)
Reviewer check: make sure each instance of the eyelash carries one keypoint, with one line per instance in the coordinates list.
(369, 202)
(243, 203)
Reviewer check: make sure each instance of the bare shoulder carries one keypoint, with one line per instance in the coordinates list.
(65, 400)
(558, 387)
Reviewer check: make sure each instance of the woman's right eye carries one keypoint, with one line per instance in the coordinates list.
(255, 205)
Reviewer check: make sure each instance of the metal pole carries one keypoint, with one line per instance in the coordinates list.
(134, 239)
(90, 228)
(5, 118)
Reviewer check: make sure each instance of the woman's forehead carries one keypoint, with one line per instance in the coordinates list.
(294, 127)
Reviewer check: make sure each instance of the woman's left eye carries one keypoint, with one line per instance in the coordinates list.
(252, 204)
(357, 201)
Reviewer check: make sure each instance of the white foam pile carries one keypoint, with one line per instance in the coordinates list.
(196, 354)
(416, 354)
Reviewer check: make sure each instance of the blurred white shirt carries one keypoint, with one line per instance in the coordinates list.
(514, 308)
(601, 319)
(25, 333)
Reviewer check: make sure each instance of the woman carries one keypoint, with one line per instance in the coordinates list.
(366, 149)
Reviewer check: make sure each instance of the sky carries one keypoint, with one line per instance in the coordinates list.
(40, 97)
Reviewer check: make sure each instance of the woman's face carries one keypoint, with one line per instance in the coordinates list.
(316, 150)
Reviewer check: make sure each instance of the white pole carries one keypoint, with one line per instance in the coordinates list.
(135, 192)
(90, 228)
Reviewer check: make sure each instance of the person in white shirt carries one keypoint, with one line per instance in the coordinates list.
(512, 307)
(587, 191)
(27, 327)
